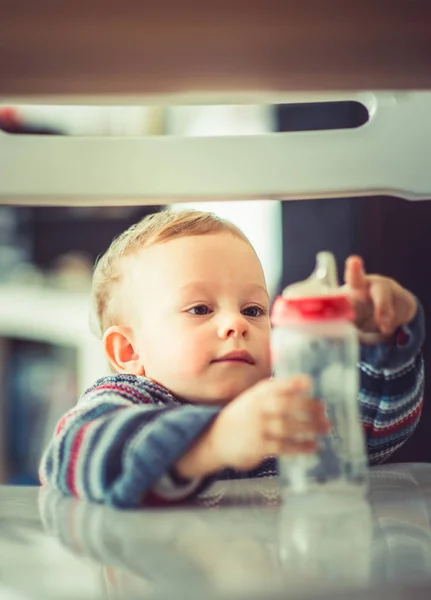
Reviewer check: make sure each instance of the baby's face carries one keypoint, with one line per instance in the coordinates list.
(199, 311)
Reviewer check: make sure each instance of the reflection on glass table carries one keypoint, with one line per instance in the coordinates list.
(241, 539)
(238, 540)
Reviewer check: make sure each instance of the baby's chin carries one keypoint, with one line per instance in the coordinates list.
(210, 390)
(225, 391)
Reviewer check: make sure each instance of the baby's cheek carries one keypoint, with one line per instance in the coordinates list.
(191, 358)
(194, 362)
(266, 358)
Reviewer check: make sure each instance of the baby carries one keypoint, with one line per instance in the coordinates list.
(183, 310)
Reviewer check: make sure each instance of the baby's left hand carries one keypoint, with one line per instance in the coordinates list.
(381, 304)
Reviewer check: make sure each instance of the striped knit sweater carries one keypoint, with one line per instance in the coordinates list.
(120, 443)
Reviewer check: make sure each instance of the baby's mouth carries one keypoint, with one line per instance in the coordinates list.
(241, 356)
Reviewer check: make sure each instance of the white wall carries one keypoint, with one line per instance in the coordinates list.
(259, 220)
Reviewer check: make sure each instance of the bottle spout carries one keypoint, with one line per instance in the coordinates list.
(322, 282)
(326, 270)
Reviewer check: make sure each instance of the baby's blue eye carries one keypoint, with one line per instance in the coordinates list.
(253, 311)
(199, 310)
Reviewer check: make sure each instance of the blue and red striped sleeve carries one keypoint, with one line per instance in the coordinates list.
(122, 438)
(392, 389)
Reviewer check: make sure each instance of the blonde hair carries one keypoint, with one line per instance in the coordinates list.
(153, 229)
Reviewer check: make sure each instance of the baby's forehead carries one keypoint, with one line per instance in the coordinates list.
(243, 288)
(190, 247)
(215, 254)
(151, 283)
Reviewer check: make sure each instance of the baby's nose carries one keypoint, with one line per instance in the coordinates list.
(233, 325)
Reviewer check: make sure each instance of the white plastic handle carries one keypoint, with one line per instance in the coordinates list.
(388, 155)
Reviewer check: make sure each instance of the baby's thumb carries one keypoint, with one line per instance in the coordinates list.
(354, 274)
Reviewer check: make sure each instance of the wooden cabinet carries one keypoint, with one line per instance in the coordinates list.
(168, 47)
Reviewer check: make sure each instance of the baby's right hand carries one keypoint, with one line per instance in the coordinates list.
(272, 418)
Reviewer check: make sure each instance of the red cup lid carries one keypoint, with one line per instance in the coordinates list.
(320, 308)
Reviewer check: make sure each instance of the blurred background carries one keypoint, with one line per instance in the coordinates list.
(48, 355)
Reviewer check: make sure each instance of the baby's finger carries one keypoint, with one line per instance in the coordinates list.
(354, 273)
(384, 314)
(299, 407)
(297, 430)
(300, 384)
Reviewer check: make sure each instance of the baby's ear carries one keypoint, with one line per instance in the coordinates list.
(120, 351)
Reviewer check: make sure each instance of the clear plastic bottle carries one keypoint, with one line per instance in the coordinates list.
(313, 334)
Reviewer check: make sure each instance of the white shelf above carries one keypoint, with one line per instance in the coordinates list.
(388, 155)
